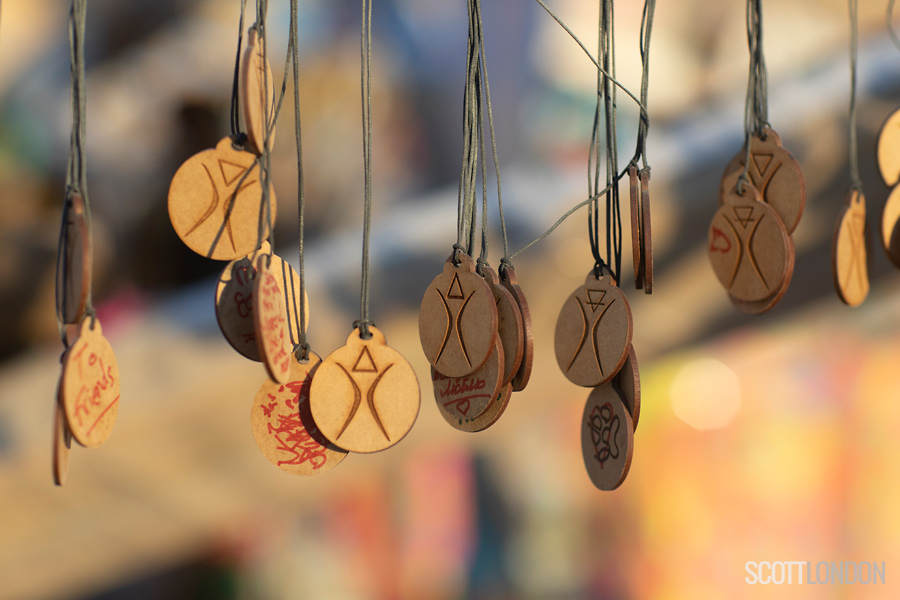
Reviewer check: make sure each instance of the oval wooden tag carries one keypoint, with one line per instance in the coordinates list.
(593, 331)
(254, 68)
(758, 307)
(510, 331)
(890, 238)
(273, 338)
(283, 426)
(466, 397)
(646, 237)
(458, 319)
(62, 440)
(365, 395)
(510, 282)
(889, 149)
(748, 247)
(74, 275)
(634, 189)
(90, 385)
(775, 173)
(234, 301)
(495, 409)
(628, 384)
(607, 438)
(214, 208)
(849, 251)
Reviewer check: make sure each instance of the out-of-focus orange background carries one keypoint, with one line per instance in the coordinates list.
(766, 438)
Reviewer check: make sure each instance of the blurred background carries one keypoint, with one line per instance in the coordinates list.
(761, 438)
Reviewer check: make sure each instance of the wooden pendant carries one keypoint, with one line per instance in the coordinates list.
(495, 409)
(510, 282)
(466, 397)
(748, 246)
(458, 319)
(365, 395)
(215, 200)
(74, 276)
(255, 72)
(273, 337)
(760, 306)
(234, 301)
(890, 236)
(889, 149)
(283, 426)
(775, 173)
(646, 237)
(510, 331)
(90, 385)
(62, 440)
(849, 251)
(593, 331)
(607, 438)
(628, 384)
(637, 243)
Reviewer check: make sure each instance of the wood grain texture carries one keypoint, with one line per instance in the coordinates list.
(849, 251)
(890, 233)
(215, 200)
(90, 385)
(466, 397)
(365, 395)
(593, 331)
(888, 149)
(283, 427)
(495, 409)
(255, 72)
(62, 440)
(646, 233)
(458, 319)
(634, 197)
(510, 330)
(273, 339)
(607, 438)
(509, 280)
(74, 276)
(628, 383)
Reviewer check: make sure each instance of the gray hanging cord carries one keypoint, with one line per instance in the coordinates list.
(855, 182)
(890, 24)
(644, 125)
(756, 107)
(265, 159)
(466, 207)
(366, 85)
(613, 206)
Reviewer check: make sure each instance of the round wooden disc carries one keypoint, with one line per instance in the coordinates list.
(890, 238)
(775, 173)
(365, 395)
(283, 426)
(270, 320)
(889, 149)
(458, 319)
(760, 306)
(73, 277)
(628, 384)
(255, 68)
(646, 236)
(748, 247)
(593, 332)
(90, 385)
(849, 251)
(510, 331)
(62, 440)
(523, 374)
(495, 409)
(234, 301)
(200, 198)
(607, 438)
(634, 190)
(460, 398)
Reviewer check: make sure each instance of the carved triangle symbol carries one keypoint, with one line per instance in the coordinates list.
(744, 215)
(364, 363)
(230, 171)
(455, 290)
(595, 298)
(762, 162)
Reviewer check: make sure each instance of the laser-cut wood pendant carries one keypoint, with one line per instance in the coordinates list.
(273, 337)
(758, 307)
(607, 438)
(234, 301)
(628, 384)
(458, 319)
(215, 200)
(634, 196)
(510, 330)
(365, 395)
(775, 173)
(849, 251)
(466, 397)
(90, 385)
(255, 68)
(646, 235)
(889, 149)
(495, 409)
(890, 233)
(510, 282)
(62, 440)
(593, 331)
(283, 426)
(748, 247)
(74, 276)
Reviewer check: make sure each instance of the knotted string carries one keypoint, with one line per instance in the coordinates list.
(756, 108)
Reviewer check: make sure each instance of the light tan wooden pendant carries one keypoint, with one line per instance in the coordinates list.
(62, 440)
(468, 396)
(849, 251)
(74, 278)
(458, 319)
(634, 189)
(607, 438)
(889, 149)
(646, 236)
(758, 307)
(215, 200)
(510, 282)
(775, 173)
(273, 338)
(495, 408)
(593, 331)
(510, 330)
(283, 426)
(628, 384)
(365, 395)
(890, 233)
(748, 246)
(234, 301)
(255, 71)
(90, 385)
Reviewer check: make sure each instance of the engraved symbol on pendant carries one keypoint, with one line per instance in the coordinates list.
(364, 364)
(231, 172)
(744, 216)
(454, 292)
(715, 246)
(594, 301)
(604, 425)
(763, 170)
